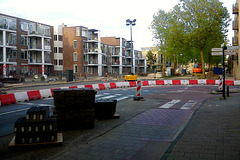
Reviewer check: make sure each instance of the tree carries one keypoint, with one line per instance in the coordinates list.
(205, 21)
(151, 58)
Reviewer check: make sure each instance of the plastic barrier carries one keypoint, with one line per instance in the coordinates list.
(88, 86)
(229, 83)
(122, 84)
(101, 86)
(193, 82)
(184, 82)
(7, 99)
(132, 84)
(33, 95)
(168, 82)
(113, 85)
(21, 96)
(73, 87)
(210, 82)
(80, 86)
(159, 82)
(145, 83)
(107, 85)
(95, 86)
(52, 91)
(236, 83)
(152, 83)
(202, 82)
(176, 82)
(45, 93)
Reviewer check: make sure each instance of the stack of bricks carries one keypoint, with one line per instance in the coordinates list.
(105, 108)
(74, 108)
(36, 127)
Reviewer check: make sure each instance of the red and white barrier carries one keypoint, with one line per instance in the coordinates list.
(7, 99)
(139, 88)
(220, 85)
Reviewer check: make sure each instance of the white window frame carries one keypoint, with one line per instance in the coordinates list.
(74, 56)
(75, 69)
(74, 43)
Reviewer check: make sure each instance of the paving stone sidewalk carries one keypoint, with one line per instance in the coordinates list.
(213, 133)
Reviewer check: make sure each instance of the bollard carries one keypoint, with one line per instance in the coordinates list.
(228, 91)
(138, 92)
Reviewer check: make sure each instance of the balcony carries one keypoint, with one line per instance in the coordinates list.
(235, 8)
(235, 24)
(235, 41)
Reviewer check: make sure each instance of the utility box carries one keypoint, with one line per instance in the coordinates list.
(69, 75)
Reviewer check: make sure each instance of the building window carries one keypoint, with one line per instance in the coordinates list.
(24, 40)
(60, 50)
(24, 55)
(75, 44)
(55, 61)
(55, 50)
(84, 33)
(75, 56)
(60, 62)
(55, 37)
(77, 31)
(60, 38)
(24, 26)
(12, 39)
(75, 68)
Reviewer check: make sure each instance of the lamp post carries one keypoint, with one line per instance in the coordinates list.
(131, 23)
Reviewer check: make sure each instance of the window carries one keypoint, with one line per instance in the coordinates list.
(55, 50)
(75, 56)
(55, 61)
(24, 26)
(11, 54)
(55, 37)
(75, 68)
(60, 50)
(24, 55)
(12, 39)
(60, 38)
(47, 31)
(60, 62)
(77, 31)
(24, 40)
(75, 44)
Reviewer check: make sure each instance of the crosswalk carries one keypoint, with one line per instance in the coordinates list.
(186, 106)
(117, 97)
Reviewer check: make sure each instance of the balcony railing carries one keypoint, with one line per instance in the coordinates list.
(235, 8)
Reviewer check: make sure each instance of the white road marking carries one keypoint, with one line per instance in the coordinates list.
(119, 99)
(170, 104)
(14, 111)
(189, 105)
(107, 97)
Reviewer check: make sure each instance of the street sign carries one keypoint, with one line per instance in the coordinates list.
(232, 47)
(216, 50)
(217, 53)
(230, 52)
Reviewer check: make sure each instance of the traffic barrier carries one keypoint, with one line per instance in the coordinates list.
(145, 83)
(139, 86)
(168, 82)
(52, 91)
(132, 84)
(33, 95)
(159, 82)
(236, 83)
(184, 82)
(152, 83)
(80, 86)
(88, 86)
(220, 85)
(101, 86)
(7, 99)
(45, 93)
(107, 85)
(113, 85)
(229, 83)
(95, 86)
(73, 87)
(122, 84)
(210, 82)
(176, 82)
(21, 96)
(202, 82)
(193, 82)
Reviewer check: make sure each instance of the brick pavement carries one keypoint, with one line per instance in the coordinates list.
(214, 133)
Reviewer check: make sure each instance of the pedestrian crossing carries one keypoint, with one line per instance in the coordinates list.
(117, 97)
(186, 105)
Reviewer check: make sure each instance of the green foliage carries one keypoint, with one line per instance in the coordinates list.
(151, 57)
(191, 29)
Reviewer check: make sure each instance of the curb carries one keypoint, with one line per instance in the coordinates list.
(6, 99)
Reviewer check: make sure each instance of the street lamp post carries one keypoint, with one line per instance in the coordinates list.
(131, 23)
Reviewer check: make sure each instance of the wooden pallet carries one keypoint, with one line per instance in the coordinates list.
(59, 141)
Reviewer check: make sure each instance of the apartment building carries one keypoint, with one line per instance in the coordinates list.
(236, 40)
(25, 47)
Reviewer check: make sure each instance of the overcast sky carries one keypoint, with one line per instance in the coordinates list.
(108, 16)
